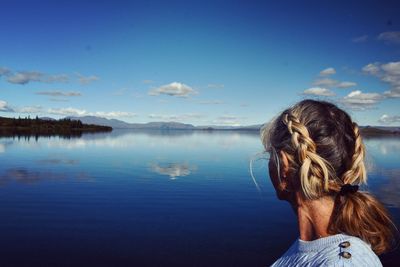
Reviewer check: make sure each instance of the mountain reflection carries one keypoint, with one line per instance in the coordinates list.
(173, 170)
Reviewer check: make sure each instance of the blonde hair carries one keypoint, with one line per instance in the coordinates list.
(325, 151)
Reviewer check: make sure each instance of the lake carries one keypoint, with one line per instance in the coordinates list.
(178, 198)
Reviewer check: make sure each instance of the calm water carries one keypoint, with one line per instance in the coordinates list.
(153, 199)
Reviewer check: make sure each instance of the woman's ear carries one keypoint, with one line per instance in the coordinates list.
(285, 164)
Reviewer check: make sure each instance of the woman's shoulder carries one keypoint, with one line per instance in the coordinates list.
(352, 251)
(337, 250)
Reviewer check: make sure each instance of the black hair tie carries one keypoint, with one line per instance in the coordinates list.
(348, 188)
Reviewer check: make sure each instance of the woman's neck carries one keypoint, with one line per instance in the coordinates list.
(313, 217)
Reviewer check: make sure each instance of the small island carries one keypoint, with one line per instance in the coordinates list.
(47, 126)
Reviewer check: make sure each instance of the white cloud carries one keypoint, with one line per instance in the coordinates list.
(58, 93)
(386, 119)
(325, 82)
(62, 78)
(346, 84)
(390, 37)
(178, 118)
(24, 77)
(4, 107)
(391, 68)
(329, 83)
(4, 71)
(114, 114)
(388, 73)
(392, 93)
(67, 111)
(216, 86)
(371, 68)
(360, 101)
(327, 71)
(318, 91)
(228, 120)
(173, 89)
(86, 79)
(81, 112)
(360, 39)
(211, 102)
(30, 109)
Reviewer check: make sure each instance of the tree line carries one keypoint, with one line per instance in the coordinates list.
(33, 126)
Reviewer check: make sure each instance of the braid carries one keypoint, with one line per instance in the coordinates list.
(314, 172)
(357, 173)
(325, 151)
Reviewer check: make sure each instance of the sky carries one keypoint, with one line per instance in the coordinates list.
(199, 62)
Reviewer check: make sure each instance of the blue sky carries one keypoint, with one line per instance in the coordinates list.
(199, 62)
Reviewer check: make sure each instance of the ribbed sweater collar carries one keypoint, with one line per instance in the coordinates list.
(318, 244)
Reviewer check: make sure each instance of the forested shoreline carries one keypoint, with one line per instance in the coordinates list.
(37, 126)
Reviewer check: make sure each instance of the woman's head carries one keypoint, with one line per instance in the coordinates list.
(320, 151)
(322, 145)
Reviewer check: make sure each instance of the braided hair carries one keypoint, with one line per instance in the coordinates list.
(326, 154)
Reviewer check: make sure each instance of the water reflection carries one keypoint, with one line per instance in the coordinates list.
(382, 162)
(116, 211)
(4, 145)
(384, 145)
(26, 176)
(388, 192)
(389, 147)
(173, 170)
(59, 161)
(152, 139)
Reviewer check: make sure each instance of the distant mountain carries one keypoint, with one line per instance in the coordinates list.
(379, 130)
(102, 121)
(118, 124)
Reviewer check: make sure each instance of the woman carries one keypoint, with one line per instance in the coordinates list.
(317, 165)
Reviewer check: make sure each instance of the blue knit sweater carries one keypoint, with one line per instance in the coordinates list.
(336, 250)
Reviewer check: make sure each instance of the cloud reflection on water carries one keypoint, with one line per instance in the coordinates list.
(389, 147)
(173, 170)
(383, 146)
(123, 139)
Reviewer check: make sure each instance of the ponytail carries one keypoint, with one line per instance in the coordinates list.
(361, 214)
